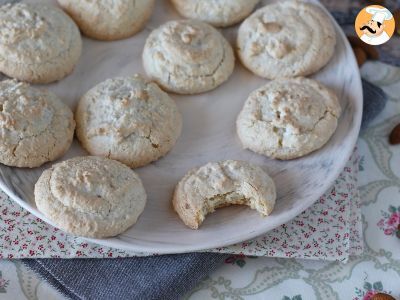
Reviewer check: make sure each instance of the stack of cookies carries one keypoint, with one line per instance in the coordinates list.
(130, 122)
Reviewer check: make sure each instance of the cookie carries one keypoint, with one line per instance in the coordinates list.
(288, 118)
(286, 39)
(128, 119)
(188, 57)
(38, 43)
(90, 196)
(109, 20)
(220, 13)
(220, 184)
(35, 126)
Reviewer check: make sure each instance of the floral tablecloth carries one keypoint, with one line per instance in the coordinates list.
(377, 269)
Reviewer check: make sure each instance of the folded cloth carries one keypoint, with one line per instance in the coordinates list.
(330, 230)
(335, 217)
(156, 277)
(374, 102)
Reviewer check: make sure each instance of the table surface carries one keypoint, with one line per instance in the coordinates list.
(378, 269)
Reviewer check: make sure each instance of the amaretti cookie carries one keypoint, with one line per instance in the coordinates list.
(128, 119)
(39, 43)
(109, 20)
(188, 57)
(286, 39)
(219, 184)
(90, 196)
(220, 13)
(288, 118)
(35, 126)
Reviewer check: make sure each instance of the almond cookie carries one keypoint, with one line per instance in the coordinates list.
(220, 13)
(35, 126)
(38, 43)
(221, 184)
(128, 119)
(288, 118)
(109, 20)
(188, 57)
(90, 196)
(286, 39)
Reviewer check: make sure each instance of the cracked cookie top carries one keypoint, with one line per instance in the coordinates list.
(220, 184)
(286, 39)
(288, 118)
(219, 13)
(19, 22)
(128, 119)
(188, 57)
(90, 196)
(35, 126)
(38, 43)
(109, 19)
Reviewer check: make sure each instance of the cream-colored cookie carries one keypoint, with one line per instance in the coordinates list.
(286, 39)
(109, 19)
(188, 57)
(220, 184)
(288, 118)
(220, 13)
(38, 43)
(90, 196)
(128, 119)
(35, 126)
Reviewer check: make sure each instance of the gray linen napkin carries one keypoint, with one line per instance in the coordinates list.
(157, 277)
(374, 102)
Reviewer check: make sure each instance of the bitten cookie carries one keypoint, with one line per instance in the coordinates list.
(188, 57)
(128, 119)
(220, 13)
(109, 20)
(288, 118)
(90, 196)
(286, 39)
(38, 43)
(35, 126)
(220, 184)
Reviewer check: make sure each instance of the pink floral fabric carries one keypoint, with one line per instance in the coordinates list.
(330, 229)
(390, 222)
(369, 290)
